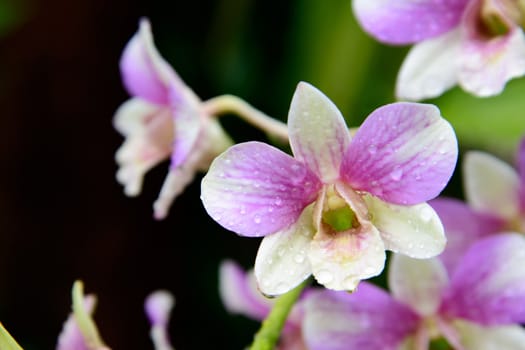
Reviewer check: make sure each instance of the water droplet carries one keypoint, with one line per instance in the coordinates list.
(269, 261)
(257, 219)
(281, 250)
(243, 210)
(324, 276)
(299, 258)
(426, 214)
(372, 149)
(227, 161)
(396, 174)
(278, 201)
(443, 150)
(222, 174)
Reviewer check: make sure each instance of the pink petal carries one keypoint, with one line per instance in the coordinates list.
(255, 189)
(144, 72)
(368, 319)
(404, 153)
(408, 21)
(158, 306)
(488, 286)
(188, 125)
(239, 292)
(318, 133)
(487, 65)
(463, 227)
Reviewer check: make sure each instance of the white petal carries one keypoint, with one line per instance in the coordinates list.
(417, 282)
(476, 337)
(491, 185)
(430, 68)
(281, 262)
(415, 231)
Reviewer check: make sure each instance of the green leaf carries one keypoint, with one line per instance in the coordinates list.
(6, 340)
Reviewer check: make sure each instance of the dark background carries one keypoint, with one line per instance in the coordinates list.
(64, 217)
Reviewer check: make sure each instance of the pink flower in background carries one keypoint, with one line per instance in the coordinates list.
(239, 295)
(333, 208)
(494, 201)
(478, 305)
(478, 44)
(162, 120)
(80, 331)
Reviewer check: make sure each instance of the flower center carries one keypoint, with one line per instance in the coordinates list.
(498, 17)
(337, 213)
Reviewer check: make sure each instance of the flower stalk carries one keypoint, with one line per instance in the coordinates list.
(268, 334)
(232, 104)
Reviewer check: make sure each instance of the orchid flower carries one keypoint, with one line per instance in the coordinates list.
(163, 119)
(495, 201)
(239, 295)
(333, 208)
(478, 44)
(477, 306)
(80, 331)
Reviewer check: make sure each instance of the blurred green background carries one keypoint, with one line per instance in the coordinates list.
(62, 214)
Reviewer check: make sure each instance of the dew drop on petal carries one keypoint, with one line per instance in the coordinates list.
(372, 149)
(281, 250)
(396, 174)
(278, 201)
(299, 258)
(426, 214)
(257, 219)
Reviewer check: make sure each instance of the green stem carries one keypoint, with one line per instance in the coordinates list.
(233, 104)
(268, 335)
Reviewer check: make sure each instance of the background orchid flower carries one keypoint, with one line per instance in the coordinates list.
(163, 119)
(80, 331)
(477, 307)
(478, 44)
(240, 295)
(333, 208)
(494, 201)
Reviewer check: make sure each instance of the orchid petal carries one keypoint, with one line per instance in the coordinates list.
(239, 293)
(144, 72)
(318, 133)
(430, 68)
(404, 153)
(488, 65)
(415, 231)
(148, 141)
(340, 260)
(175, 183)
(418, 283)
(476, 337)
(281, 263)
(491, 185)
(488, 286)
(367, 319)
(521, 171)
(255, 189)
(188, 126)
(463, 226)
(158, 306)
(407, 21)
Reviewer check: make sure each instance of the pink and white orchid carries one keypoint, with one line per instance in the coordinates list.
(494, 201)
(477, 306)
(163, 119)
(333, 208)
(478, 44)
